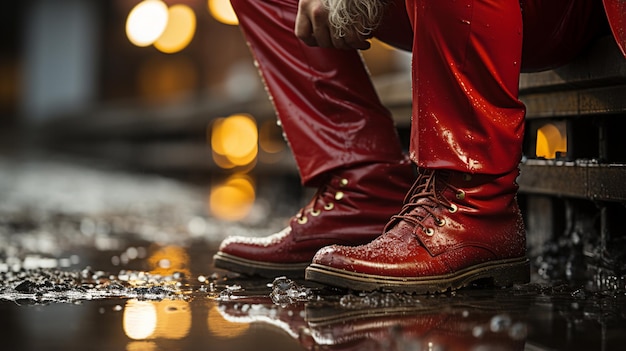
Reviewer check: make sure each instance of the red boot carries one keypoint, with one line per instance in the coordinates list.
(351, 208)
(454, 229)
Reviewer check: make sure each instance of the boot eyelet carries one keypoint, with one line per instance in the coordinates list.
(339, 195)
(453, 208)
(329, 206)
(315, 213)
(343, 182)
(429, 231)
(302, 220)
(440, 222)
(460, 194)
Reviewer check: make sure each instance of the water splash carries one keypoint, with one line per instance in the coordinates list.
(285, 292)
(42, 286)
(377, 300)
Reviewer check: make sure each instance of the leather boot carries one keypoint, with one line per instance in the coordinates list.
(455, 228)
(351, 208)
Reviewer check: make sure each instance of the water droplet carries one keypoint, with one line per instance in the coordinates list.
(500, 323)
(518, 331)
(478, 331)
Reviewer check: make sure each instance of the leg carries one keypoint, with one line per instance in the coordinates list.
(466, 64)
(343, 139)
(324, 98)
(460, 221)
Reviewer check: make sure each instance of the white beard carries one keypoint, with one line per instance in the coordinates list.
(354, 17)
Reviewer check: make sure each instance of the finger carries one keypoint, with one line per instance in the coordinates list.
(304, 30)
(357, 41)
(322, 34)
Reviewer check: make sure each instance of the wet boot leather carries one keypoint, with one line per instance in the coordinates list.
(351, 208)
(454, 229)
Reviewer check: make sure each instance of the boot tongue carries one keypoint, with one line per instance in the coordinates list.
(426, 183)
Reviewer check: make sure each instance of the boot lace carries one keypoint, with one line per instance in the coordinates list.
(422, 200)
(323, 200)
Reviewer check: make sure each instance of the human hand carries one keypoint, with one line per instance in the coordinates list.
(314, 28)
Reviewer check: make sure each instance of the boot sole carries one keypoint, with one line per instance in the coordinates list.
(259, 268)
(501, 273)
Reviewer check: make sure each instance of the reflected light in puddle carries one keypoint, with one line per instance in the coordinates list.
(232, 200)
(168, 319)
(220, 327)
(146, 22)
(173, 319)
(179, 31)
(223, 12)
(141, 346)
(140, 319)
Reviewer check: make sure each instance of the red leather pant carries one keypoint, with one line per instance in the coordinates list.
(467, 56)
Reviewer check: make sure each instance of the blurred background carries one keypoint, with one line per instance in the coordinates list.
(166, 87)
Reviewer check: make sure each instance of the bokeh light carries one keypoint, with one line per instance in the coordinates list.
(146, 22)
(173, 319)
(148, 320)
(179, 31)
(140, 319)
(234, 140)
(223, 11)
(233, 199)
(168, 260)
(167, 78)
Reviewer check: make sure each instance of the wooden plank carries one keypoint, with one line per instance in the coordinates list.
(603, 182)
(570, 103)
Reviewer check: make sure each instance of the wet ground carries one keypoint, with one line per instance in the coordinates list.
(97, 259)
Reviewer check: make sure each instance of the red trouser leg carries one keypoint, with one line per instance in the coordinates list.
(466, 64)
(325, 101)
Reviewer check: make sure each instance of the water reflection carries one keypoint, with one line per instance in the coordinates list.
(433, 324)
(167, 319)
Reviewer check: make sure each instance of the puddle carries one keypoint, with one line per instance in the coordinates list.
(137, 275)
(138, 310)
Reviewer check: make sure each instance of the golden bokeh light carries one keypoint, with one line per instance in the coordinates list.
(179, 31)
(140, 319)
(234, 141)
(223, 11)
(220, 327)
(166, 78)
(168, 260)
(173, 319)
(142, 345)
(551, 139)
(233, 199)
(146, 22)
(147, 320)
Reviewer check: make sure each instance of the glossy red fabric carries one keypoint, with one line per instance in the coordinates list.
(467, 56)
(324, 98)
(616, 14)
(466, 64)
